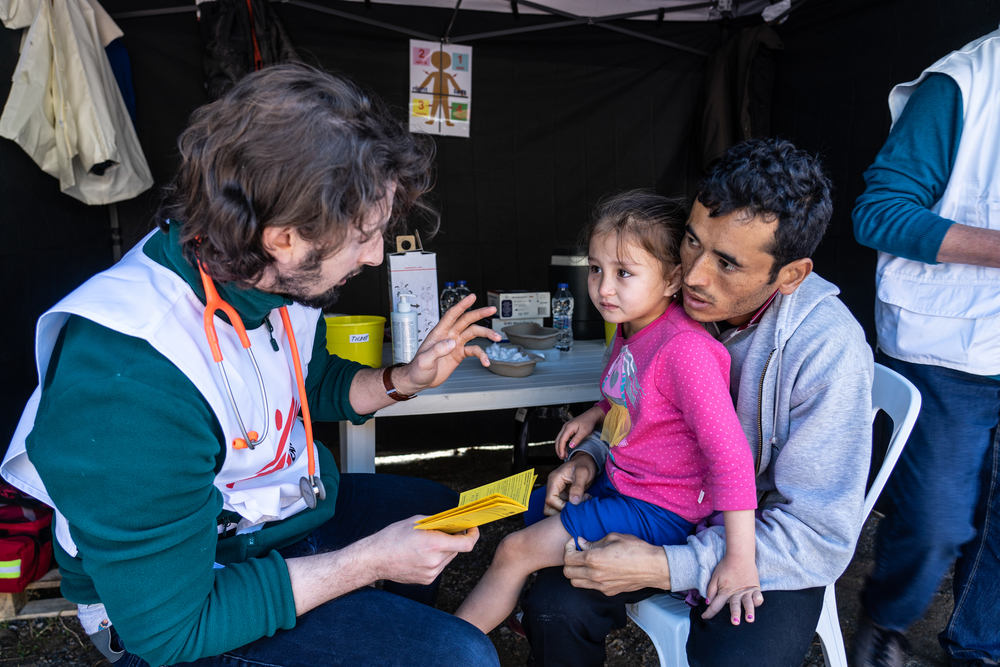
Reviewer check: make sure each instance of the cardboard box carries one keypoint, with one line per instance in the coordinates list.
(414, 271)
(519, 303)
(497, 323)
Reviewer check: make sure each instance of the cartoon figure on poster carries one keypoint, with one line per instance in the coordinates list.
(440, 88)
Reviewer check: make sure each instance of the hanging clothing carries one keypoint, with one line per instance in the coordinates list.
(20, 13)
(122, 68)
(739, 78)
(65, 108)
(239, 37)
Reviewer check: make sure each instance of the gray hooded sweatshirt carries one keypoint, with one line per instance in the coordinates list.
(804, 400)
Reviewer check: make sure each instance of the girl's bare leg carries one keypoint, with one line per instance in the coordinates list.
(539, 545)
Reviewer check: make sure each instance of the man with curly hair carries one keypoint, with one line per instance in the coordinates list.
(801, 379)
(197, 521)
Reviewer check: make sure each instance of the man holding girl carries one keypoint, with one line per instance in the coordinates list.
(800, 377)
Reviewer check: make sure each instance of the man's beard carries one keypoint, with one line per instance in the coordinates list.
(320, 301)
(295, 285)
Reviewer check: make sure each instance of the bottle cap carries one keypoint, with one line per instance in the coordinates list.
(563, 285)
(461, 283)
(449, 285)
(404, 305)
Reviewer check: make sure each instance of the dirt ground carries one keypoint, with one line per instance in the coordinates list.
(630, 647)
(60, 642)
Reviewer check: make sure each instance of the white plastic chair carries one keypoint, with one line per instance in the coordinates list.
(667, 620)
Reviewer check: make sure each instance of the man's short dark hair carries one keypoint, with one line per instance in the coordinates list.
(290, 145)
(772, 181)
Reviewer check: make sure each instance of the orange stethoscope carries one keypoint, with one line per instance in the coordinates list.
(311, 486)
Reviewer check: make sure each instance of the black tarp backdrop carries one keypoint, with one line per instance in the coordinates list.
(49, 243)
(559, 119)
(832, 82)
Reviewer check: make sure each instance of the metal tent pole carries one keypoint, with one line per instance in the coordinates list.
(361, 19)
(599, 21)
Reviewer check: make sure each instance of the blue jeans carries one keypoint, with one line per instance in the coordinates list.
(567, 626)
(368, 627)
(945, 495)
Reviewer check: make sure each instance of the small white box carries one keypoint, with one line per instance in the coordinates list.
(519, 303)
(497, 323)
(415, 272)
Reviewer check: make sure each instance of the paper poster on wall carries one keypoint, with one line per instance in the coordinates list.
(440, 88)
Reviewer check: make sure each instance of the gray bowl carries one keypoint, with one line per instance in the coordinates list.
(515, 369)
(531, 336)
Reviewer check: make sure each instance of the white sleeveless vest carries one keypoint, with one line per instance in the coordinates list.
(155, 304)
(949, 314)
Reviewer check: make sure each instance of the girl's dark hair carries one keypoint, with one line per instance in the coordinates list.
(772, 181)
(650, 221)
(291, 146)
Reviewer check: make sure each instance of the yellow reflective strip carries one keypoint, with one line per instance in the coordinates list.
(10, 569)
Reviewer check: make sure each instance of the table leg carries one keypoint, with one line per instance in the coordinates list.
(357, 447)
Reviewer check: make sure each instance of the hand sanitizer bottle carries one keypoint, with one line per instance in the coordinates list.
(404, 331)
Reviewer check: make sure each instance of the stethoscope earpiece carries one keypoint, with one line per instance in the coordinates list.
(240, 443)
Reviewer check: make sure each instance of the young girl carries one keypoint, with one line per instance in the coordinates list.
(678, 452)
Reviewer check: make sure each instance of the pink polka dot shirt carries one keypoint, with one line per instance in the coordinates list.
(685, 450)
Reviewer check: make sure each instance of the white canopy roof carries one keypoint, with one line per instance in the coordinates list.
(605, 8)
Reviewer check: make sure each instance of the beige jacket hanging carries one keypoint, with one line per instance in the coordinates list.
(65, 109)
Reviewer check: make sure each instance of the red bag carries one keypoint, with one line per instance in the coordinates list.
(25, 539)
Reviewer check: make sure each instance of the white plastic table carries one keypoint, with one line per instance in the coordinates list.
(573, 379)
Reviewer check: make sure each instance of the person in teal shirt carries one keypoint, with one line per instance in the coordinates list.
(929, 209)
(286, 189)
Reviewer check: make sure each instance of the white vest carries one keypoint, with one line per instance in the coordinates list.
(949, 314)
(155, 304)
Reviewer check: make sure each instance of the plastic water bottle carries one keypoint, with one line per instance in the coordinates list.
(562, 317)
(462, 291)
(449, 297)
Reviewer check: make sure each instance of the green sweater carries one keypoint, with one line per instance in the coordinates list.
(128, 449)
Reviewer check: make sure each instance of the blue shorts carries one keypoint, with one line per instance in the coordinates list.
(608, 511)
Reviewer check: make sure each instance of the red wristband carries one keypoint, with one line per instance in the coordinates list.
(390, 390)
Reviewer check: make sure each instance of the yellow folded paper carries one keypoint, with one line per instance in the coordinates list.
(487, 503)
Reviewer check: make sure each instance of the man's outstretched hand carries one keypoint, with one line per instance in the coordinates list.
(445, 347)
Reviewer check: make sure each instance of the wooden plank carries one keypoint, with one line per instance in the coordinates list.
(47, 608)
(11, 604)
(16, 605)
(52, 579)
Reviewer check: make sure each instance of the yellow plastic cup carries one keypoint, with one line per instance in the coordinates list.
(356, 337)
(609, 332)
